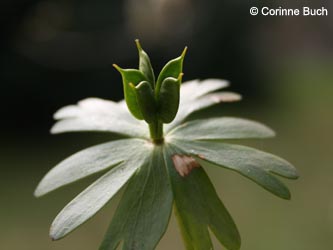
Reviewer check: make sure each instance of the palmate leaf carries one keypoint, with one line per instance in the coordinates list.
(160, 172)
(198, 208)
(221, 128)
(253, 164)
(143, 213)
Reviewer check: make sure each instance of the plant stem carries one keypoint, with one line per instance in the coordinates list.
(156, 131)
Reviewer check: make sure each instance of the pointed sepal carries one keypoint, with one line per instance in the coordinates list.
(172, 69)
(133, 76)
(145, 65)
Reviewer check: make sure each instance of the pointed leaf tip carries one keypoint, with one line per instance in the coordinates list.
(138, 45)
(117, 67)
(180, 77)
(184, 52)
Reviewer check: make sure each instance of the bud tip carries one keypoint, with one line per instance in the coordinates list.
(117, 67)
(138, 45)
(184, 52)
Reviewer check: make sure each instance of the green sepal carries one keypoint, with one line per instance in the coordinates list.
(168, 99)
(133, 76)
(145, 65)
(146, 100)
(172, 69)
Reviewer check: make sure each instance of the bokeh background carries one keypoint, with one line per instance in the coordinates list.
(56, 52)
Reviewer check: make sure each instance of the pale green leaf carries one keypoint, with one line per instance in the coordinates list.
(194, 89)
(90, 161)
(221, 128)
(144, 210)
(196, 95)
(95, 114)
(93, 198)
(254, 164)
(93, 105)
(198, 208)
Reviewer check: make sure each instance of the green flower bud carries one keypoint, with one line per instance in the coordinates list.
(155, 103)
(134, 77)
(168, 99)
(146, 101)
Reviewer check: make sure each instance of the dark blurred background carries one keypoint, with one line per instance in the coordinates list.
(57, 52)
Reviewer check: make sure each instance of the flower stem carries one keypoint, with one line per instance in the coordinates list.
(156, 131)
